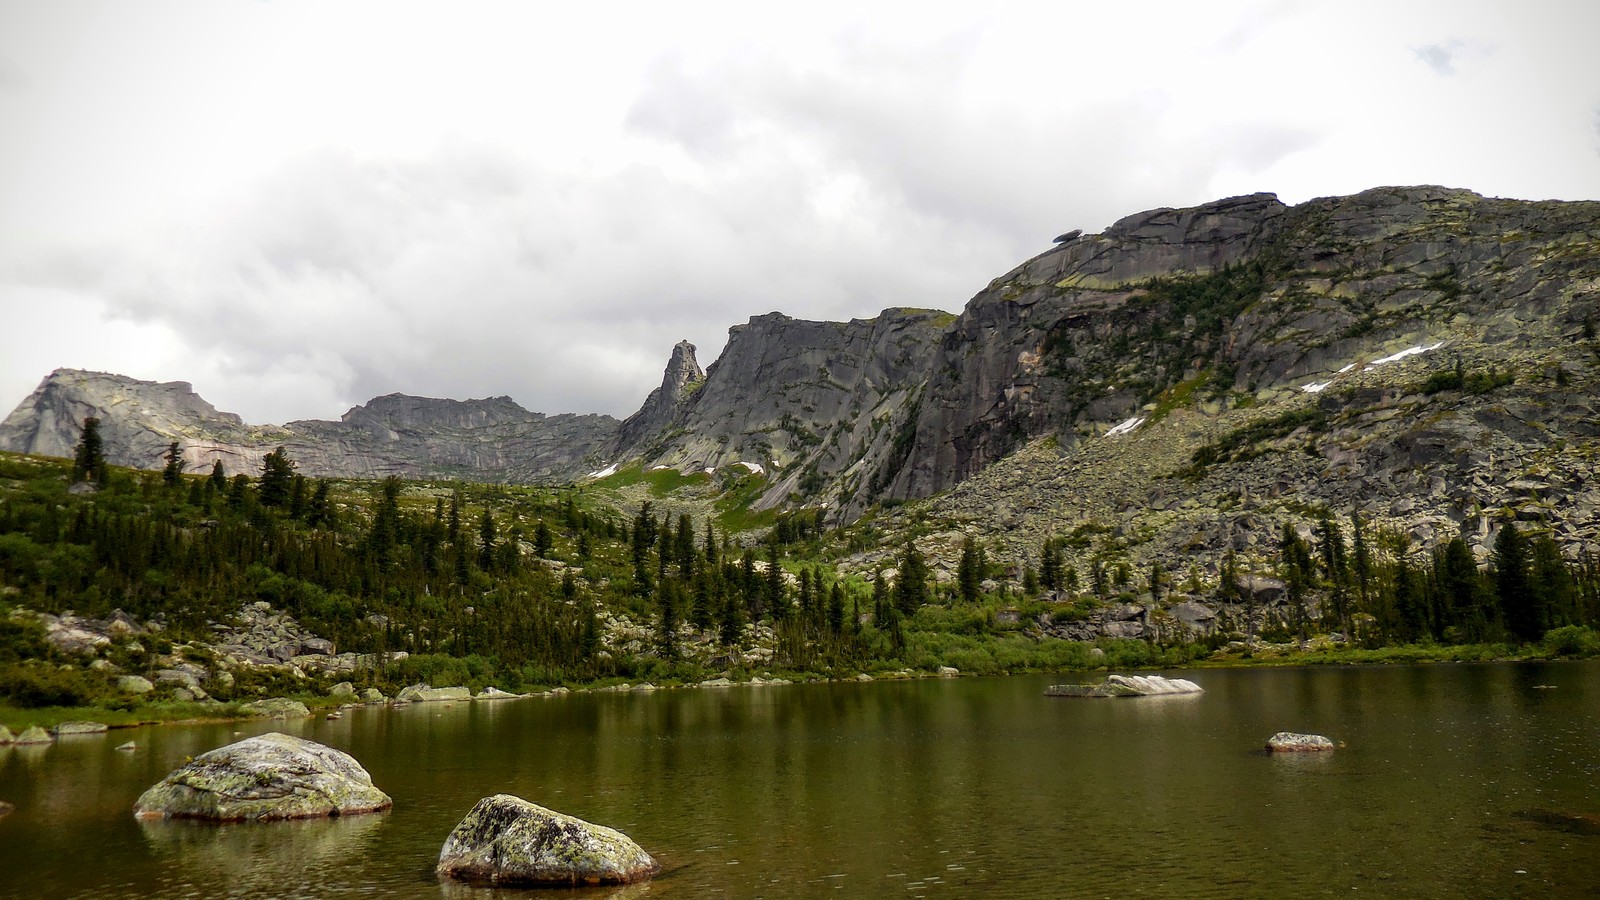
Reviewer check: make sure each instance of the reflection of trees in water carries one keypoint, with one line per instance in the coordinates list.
(252, 858)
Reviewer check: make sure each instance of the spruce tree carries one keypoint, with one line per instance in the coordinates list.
(218, 480)
(1518, 603)
(89, 459)
(969, 572)
(486, 539)
(172, 472)
(277, 476)
(911, 584)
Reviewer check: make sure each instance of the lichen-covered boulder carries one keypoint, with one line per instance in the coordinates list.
(6, 736)
(506, 840)
(1291, 742)
(270, 776)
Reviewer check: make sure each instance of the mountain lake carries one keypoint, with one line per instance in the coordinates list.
(1449, 781)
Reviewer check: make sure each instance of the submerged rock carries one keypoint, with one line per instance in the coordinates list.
(1126, 686)
(507, 840)
(270, 776)
(1291, 742)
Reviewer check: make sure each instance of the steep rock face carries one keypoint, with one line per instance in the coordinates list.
(678, 383)
(1422, 357)
(818, 405)
(492, 440)
(1011, 367)
(1238, 298)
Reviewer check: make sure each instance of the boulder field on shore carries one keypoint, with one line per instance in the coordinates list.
(506, 840)
(270, 776)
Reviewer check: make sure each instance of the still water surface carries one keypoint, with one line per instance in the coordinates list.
(1454, 781)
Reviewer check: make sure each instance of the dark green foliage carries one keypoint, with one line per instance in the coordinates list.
(89, 458)
(1458, 379)
(1524, 615)
(1244, 443)
(277, 477)
(172, 472)
(969, 572)
(911, 584)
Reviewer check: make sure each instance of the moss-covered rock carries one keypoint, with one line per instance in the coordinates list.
(270, 776)
(507, 840)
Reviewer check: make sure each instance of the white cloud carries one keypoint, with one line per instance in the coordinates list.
(298, 206)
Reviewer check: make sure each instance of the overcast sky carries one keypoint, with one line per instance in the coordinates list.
(299, 206)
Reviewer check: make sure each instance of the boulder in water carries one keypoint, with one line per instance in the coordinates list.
(33, 735)
(1292, 742)
(506, 840)
(270, 776)
(421, 693)
(1126, 686)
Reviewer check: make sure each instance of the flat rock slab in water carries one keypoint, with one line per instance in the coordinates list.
(270, 776)
(81, 728)
(506, 840)
(1291, 742)
(421, 693)
(1126, 686)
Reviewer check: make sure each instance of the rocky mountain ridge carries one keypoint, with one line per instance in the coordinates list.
(491, 440)
(1184, 382)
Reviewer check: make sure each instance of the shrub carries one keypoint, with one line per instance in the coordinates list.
(1573, 640)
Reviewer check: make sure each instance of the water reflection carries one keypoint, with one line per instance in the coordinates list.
(953, 787)
(251, 858)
